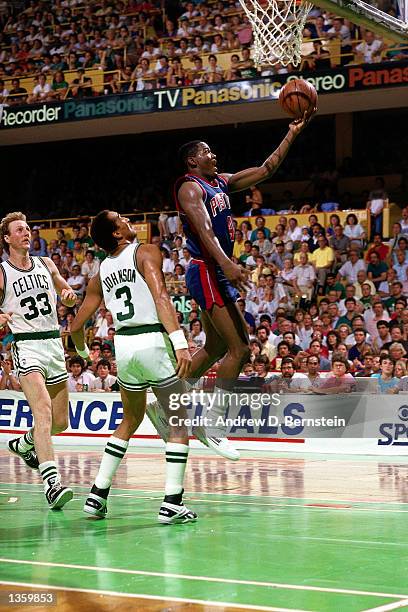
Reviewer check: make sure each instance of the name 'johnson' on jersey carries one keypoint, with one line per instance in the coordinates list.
(125, 291)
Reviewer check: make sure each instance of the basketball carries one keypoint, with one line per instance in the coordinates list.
(297, 97)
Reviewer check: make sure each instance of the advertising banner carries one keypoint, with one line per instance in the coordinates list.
(341, 79)
(345, 423)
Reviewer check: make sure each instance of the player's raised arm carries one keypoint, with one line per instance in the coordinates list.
(149, 262)
(88, 307)
(191, 201)
(251, 176)
(68, 296)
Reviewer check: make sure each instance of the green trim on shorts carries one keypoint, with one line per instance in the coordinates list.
(140, 329)
(170, 350)
(46, 335)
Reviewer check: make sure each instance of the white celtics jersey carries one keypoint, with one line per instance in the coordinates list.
(30, 296)
(125, 291)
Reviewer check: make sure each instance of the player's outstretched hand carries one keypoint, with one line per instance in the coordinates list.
(299, 124)
(68, 298)
(183, 363)
(238, 276)
(5, 318)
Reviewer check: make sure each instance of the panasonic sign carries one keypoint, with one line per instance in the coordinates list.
(32, 116)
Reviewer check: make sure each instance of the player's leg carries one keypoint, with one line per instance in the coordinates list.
(226, 335)
(59, 402)
(202, 360)
(49, 362)
(35, 390)
(134, 404)
(229, 325)
(172, 509)
(214, 348)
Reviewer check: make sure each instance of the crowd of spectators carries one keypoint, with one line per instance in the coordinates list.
(138, 45)
(325, 306)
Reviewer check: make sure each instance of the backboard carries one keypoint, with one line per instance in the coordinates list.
(372, 17)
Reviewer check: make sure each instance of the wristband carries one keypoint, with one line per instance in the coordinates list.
(178, 340)
(84, 353)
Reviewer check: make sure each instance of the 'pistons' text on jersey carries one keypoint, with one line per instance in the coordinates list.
(216, 201)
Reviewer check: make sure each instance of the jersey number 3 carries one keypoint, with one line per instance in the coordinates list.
(124, 316)
(33, 310)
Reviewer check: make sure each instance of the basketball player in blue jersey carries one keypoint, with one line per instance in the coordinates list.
(212, 278)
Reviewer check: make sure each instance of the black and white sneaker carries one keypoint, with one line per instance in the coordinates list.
(57, 495)
(222, 446)
(95, 504)
(170, 514)
(29, 457)
(173, 511)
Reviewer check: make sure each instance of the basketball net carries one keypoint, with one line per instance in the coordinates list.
(278, 29)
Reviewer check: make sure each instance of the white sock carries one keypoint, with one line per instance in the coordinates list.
(114, 452)
(176, 461)
(221, 401)
(26, 442)
(49, 473)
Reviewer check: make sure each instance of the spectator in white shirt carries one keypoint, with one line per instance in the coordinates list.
(77, 281)
(79, 379)
(294, 232)
(401, 266)
(104, 380)
(197, 335)
(375, 314)
(268, 305)
(350, 269)
(370, 49)
(341, 32)
(103, 330)
(305, 277)
(41, 91)
(90, 267)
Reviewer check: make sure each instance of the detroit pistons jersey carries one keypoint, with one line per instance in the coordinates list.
(125, 291)
(217, 204)
(30, 296)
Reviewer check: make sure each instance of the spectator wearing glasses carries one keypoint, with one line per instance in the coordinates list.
(290, 381)
(339, 380)
(315, 350)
